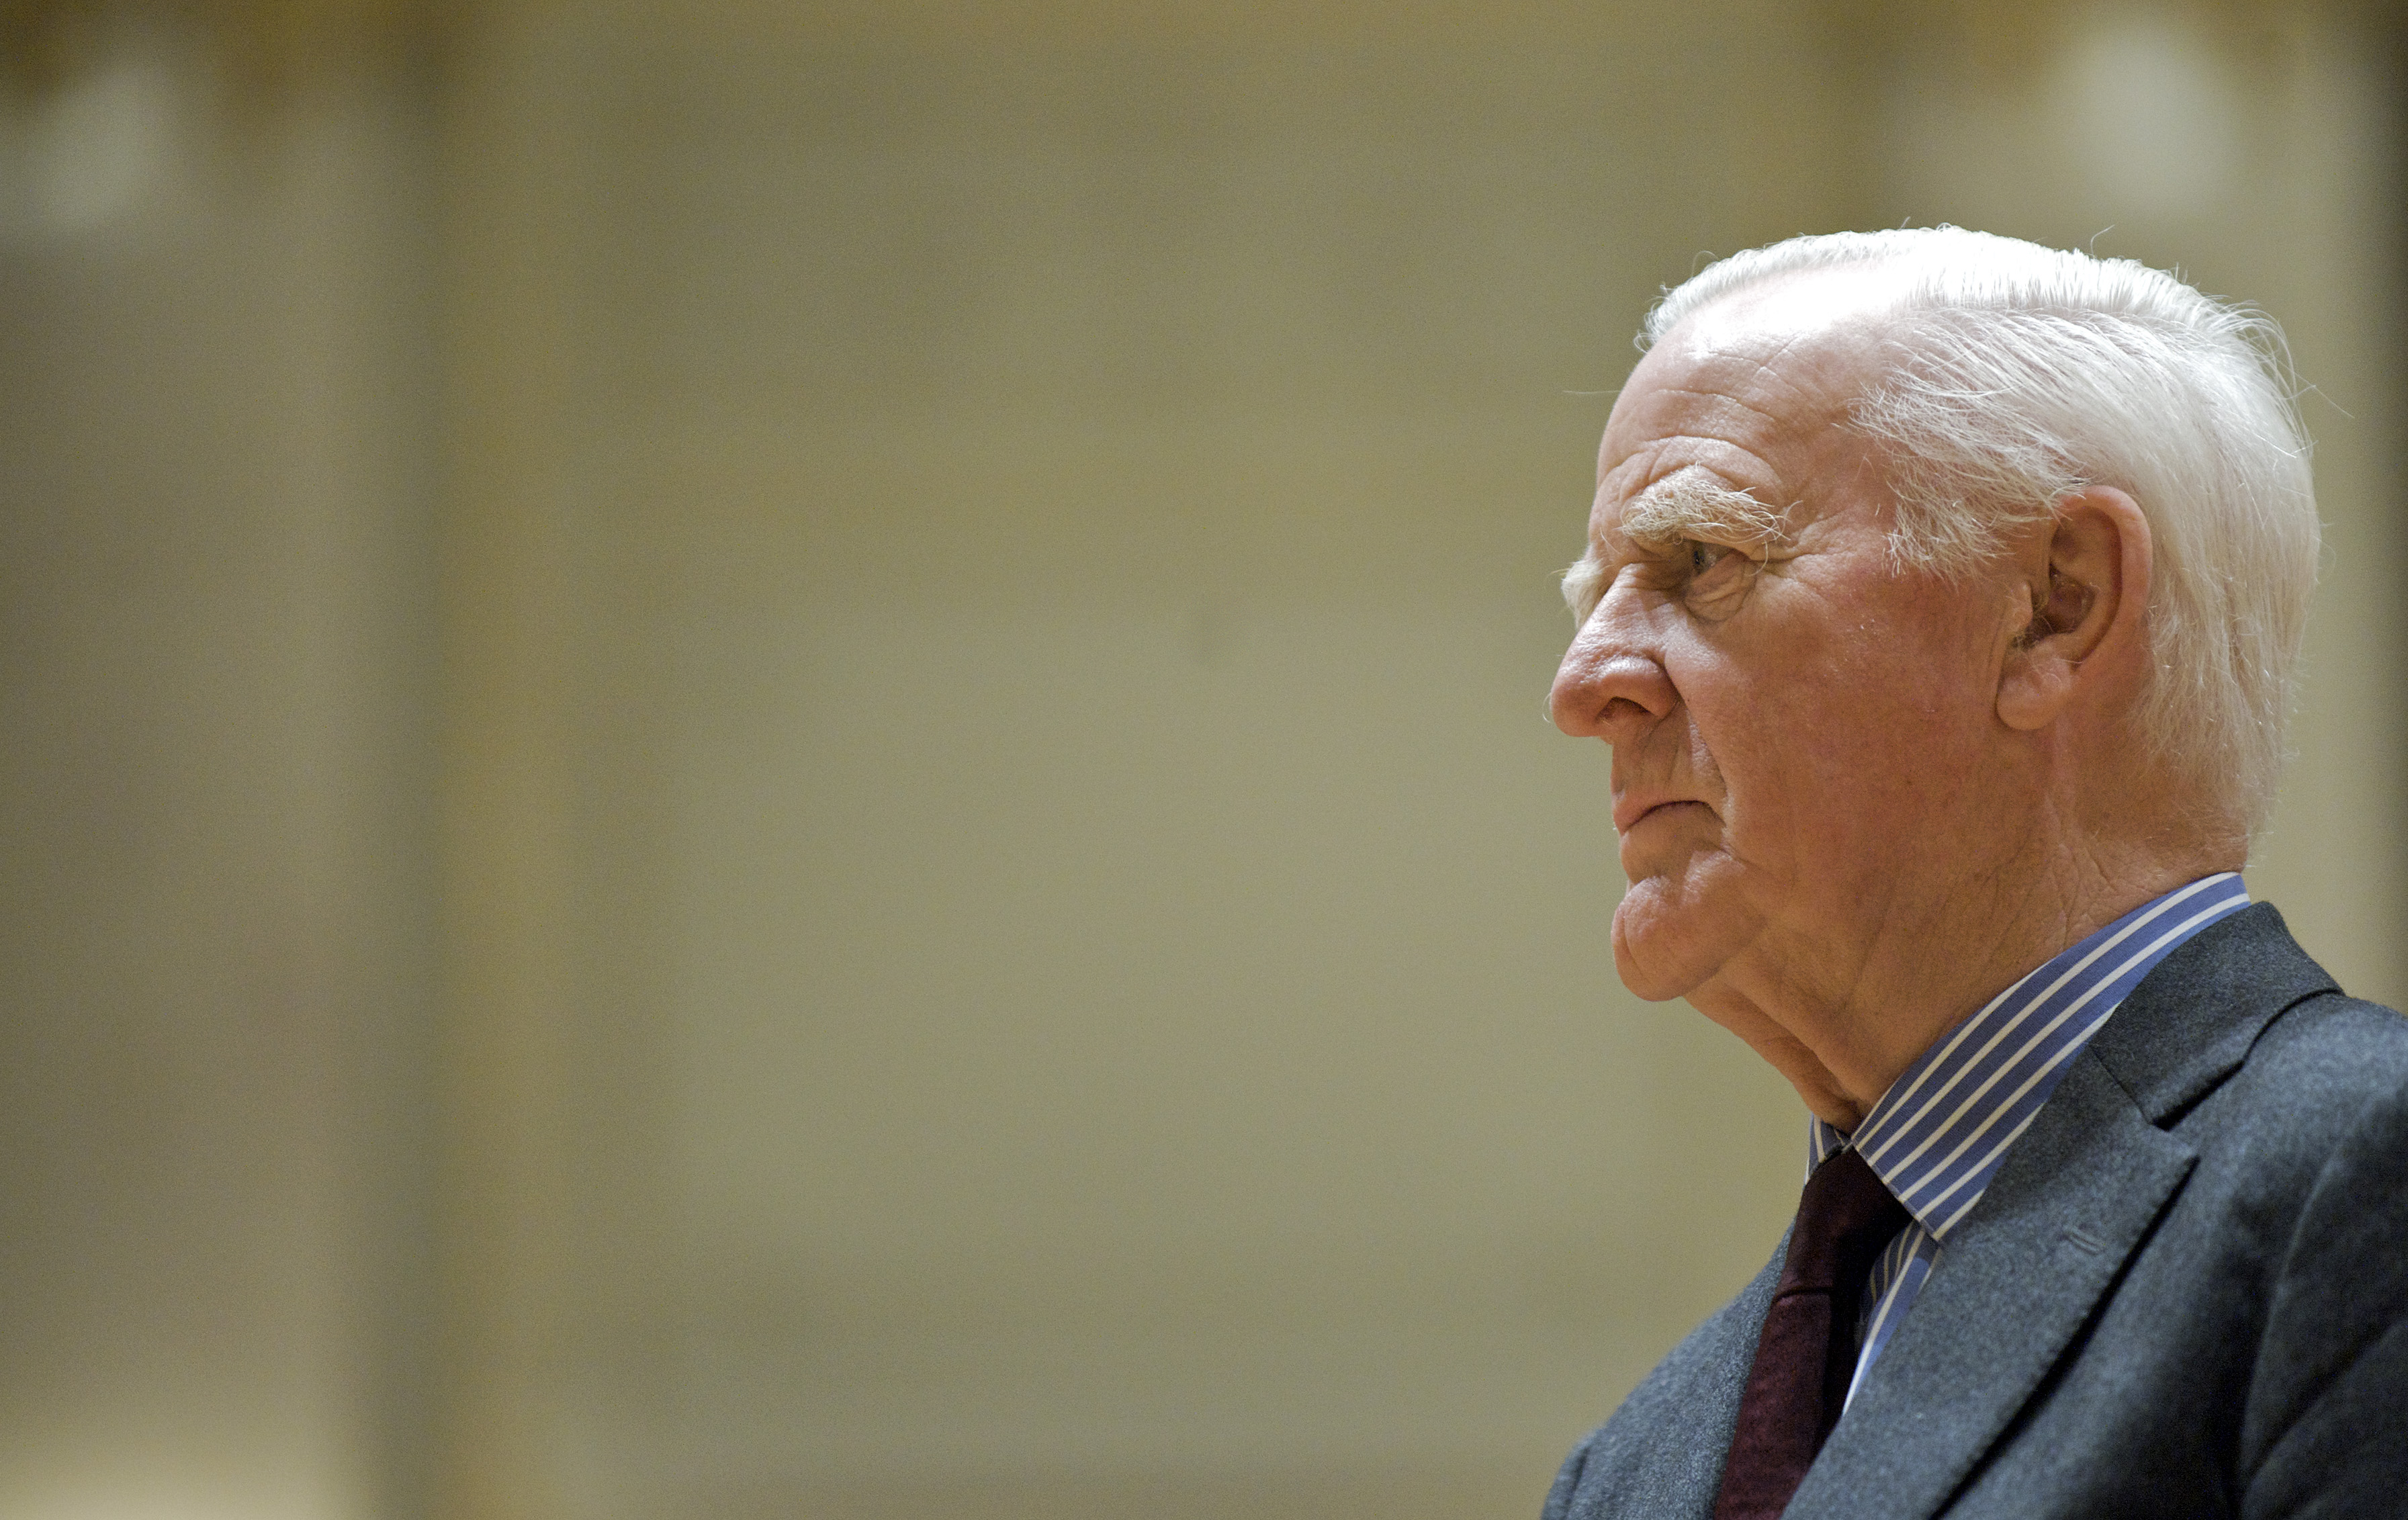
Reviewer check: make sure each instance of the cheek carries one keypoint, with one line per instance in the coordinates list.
(1835, 756)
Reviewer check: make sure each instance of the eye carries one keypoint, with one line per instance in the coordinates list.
(1716, 577)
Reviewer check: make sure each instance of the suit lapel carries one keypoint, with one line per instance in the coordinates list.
(2010, 1288)
(2075, 1198)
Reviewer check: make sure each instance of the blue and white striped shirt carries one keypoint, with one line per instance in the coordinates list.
(1940, 1132)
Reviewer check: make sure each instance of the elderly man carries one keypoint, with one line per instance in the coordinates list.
(1940, 606)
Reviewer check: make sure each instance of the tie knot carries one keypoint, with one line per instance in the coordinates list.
(1846, 1215)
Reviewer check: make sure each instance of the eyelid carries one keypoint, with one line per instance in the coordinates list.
(1586, 580)
(1756, 546)
(1715, 591)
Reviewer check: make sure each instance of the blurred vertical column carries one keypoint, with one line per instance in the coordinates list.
(216, 660)
(505, 834)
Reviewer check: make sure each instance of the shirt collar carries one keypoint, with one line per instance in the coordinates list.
(1941, 1129)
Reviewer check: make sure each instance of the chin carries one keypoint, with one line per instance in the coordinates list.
(1656, 950)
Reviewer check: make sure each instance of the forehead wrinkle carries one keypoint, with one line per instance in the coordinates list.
(1687, 422)
(1810, 371)
(1686, 462)
(1690, 439)
(1716, 400)
(1750, 450)
(1796, 413)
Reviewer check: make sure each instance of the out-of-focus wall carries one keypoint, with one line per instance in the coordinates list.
(1080, 987)
(216, 792)
(1074, 973)
(774, 760)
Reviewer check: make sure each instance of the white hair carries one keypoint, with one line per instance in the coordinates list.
(2023, 374)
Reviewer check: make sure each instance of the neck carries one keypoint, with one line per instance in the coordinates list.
(1841, 1023)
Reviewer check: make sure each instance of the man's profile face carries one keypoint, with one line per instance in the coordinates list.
(1799, 729)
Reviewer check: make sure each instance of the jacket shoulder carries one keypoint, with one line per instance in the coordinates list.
(2317, 1079)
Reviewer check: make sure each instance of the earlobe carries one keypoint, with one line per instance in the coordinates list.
(2035, 685)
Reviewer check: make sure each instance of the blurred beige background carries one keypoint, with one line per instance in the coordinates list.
(786, 760)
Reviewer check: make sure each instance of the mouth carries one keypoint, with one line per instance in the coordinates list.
(1632, 812)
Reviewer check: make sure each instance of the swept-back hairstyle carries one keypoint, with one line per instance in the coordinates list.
(2018, 375)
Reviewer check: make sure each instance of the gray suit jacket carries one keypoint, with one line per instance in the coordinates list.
(2186, 1292)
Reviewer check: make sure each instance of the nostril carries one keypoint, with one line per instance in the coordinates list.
(1598, 695)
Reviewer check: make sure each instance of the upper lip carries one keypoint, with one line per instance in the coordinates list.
(1632, 806)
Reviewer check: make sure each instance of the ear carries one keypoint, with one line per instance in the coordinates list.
(2085, 579)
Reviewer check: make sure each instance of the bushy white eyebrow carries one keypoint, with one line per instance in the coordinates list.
(1687, 505)
(1583, 581)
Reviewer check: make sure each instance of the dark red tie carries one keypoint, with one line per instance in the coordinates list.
(1807, 1353)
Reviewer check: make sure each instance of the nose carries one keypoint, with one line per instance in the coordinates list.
(1610, 686)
